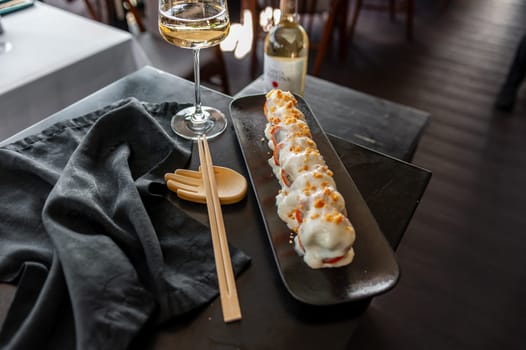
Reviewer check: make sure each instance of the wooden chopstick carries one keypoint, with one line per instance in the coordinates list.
(225, 273)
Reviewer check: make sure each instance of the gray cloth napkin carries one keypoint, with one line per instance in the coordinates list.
(97, 252)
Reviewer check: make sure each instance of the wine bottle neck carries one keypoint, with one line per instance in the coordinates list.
(289, 10)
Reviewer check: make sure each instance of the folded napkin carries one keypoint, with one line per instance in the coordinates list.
(97, 252)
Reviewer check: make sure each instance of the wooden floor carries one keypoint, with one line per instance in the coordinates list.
(453, 68)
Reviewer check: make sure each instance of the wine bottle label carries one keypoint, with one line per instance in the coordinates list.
(287, 74)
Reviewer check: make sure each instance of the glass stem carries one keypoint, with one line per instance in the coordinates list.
(198, 116)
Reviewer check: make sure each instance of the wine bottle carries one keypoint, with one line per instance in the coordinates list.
(286, 52)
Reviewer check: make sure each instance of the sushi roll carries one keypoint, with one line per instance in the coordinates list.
(308, 201)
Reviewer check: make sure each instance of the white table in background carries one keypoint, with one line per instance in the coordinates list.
(57, 58)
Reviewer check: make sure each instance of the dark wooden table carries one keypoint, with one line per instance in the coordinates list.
(272, 319)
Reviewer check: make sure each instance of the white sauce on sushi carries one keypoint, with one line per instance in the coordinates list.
(308, 201)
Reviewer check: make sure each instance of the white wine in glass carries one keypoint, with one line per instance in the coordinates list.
(195, 24)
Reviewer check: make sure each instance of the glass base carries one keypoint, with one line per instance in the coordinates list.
(213, 123)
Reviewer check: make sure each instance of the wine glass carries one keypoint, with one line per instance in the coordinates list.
(195, 24)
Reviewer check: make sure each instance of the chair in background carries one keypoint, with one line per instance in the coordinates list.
(110, 12)
(407, 6)
(336, 21)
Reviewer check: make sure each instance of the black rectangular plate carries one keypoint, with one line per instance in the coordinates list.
(374, 269)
